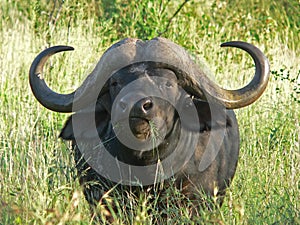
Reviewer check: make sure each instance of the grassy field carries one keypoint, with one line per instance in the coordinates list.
(38, 183)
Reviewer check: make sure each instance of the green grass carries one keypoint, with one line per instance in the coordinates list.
(38, 182)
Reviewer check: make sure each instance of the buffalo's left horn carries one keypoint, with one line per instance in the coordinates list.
(233, 99)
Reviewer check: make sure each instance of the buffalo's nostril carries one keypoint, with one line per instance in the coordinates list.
(123, 105)
(148, 104)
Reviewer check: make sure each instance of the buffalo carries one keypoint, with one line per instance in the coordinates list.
(148, 114)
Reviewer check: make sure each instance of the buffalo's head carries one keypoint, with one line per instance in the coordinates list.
(159, 53)
(138, 93)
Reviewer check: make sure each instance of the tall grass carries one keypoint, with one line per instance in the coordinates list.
(38, 183)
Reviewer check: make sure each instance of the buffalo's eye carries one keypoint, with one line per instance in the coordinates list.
(114, 83)
(169, 84)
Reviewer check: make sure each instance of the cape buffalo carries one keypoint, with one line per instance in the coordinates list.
(149, 114)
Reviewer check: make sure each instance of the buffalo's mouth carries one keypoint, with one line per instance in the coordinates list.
(140, 127)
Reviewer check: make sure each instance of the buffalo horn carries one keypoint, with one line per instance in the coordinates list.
(160, 52)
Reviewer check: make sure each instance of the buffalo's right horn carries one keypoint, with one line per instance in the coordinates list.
(48, 98)
(66, 103)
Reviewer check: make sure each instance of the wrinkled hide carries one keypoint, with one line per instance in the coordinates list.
(190, 180)
(148, 116)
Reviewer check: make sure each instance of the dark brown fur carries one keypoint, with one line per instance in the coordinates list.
(189, 180)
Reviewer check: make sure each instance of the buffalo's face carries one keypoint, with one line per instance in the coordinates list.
(144, 97)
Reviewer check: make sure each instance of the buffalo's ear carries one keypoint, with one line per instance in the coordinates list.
(86, 120)
(105, 102)
(100, 114)
(67, 131)
(209, 114)
(203, 109)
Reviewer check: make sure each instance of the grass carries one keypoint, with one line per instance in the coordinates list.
(38, 183)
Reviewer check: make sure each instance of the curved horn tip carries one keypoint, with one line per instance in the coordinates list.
(59, 48)
(250, 48)
(235, 44)
(47, 97)
(38, 63)
(254, 51)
